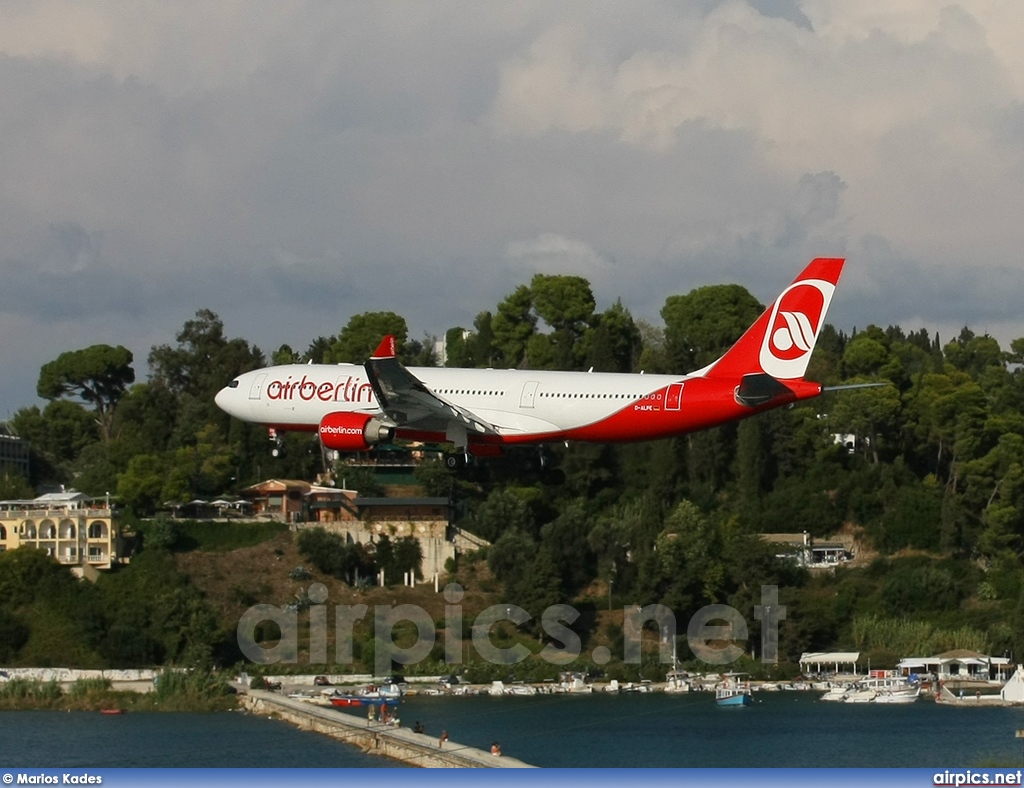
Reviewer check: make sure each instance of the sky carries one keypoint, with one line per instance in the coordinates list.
(289, 164)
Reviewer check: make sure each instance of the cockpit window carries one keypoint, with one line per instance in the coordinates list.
(233, 384)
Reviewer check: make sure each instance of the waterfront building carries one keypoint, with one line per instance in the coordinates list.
(960, 665)
(72, 527)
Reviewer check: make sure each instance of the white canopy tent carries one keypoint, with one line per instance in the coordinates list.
(829, 661)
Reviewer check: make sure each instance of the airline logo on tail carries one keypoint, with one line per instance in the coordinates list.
(793, 328)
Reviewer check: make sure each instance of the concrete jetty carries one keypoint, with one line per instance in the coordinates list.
(415, 749)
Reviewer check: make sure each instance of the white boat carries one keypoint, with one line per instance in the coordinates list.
(677, 681)
(908, 695)
(521, 689)
(836, 694)
(578, 686)
(883, 686)
(860, 695)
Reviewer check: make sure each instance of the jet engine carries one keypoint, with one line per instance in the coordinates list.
(343, 431)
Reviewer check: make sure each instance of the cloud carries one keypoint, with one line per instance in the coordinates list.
(289, 165)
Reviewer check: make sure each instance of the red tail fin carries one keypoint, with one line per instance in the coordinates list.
(780, 342)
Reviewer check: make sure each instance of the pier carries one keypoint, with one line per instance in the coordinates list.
(401, 744)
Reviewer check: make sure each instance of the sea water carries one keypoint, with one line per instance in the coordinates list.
(164, 739)
(781, 729)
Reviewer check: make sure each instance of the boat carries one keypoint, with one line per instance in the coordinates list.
(733, 696)
(860, 694)
(733, 692)
(883, 686)
(836, 693)
(111, 711)
(349, 701)
(908, 695)
(371, 696)
(678, 681)
(521, 689)
(575, 683)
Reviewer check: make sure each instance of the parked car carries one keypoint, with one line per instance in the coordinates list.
(321, 681)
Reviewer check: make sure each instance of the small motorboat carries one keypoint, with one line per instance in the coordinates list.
(352, 701)
(732, 692)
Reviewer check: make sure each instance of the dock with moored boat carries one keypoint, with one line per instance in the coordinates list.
(400, 744)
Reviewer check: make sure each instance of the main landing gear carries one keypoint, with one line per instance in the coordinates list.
(536, 465)
(276, 445)
(459, 460)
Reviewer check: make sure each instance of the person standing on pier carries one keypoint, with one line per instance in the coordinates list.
(443, 739)
(495, 748)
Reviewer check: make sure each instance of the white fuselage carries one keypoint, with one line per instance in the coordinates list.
(516, 402)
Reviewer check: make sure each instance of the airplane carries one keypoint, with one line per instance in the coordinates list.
(481, 412)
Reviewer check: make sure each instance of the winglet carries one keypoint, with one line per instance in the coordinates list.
(386, 348)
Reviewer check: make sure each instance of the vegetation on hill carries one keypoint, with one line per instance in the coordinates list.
(927, 474)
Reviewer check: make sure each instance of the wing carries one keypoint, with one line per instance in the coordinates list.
(408, 403)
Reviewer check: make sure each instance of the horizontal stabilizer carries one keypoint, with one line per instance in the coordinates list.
(849, 386)
(758, 389)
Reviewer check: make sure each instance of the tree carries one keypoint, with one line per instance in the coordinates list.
(513, 325)
(614, 343)
(99, 375)
(864, 355)
(363, 334)
(565, 540)
(201, 468)
(973, 354)
(871, 414)
(162, 533)
(511, 554)
(502, 511)
(14, 487)
(57, 435)
(565, 303)
(193, 372)
(318, 350)
(702, 325)
(141, 485)
(284, 355)
(457, 348)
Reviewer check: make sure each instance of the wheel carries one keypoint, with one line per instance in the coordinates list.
(277, 452)
(453, 461)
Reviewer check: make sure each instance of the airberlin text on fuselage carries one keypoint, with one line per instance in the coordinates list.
(347, 389)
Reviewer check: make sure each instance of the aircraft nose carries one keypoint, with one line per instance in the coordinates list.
(223, 399)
